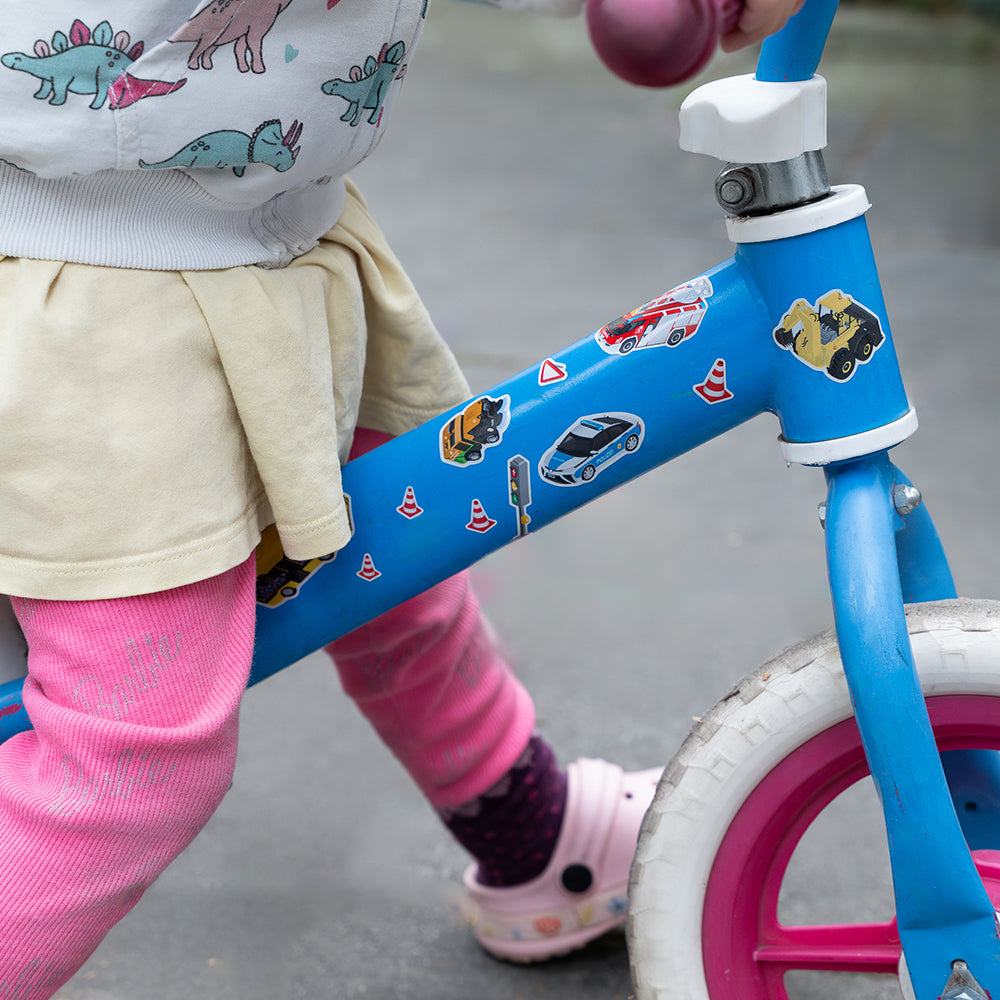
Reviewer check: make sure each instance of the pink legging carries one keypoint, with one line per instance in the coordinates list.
(431, 679)
(135, 703)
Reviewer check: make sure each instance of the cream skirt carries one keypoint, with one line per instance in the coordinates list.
(152, 423)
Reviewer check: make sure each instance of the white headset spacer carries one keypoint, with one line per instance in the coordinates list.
(853, 446)
(847, 201)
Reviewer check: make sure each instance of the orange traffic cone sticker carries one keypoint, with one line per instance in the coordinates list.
(481, 521)
(409, 507)
(714, 389)
(368, 571)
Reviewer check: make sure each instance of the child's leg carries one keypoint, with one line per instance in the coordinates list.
(432, 681)
(134, 704)
(430, 678)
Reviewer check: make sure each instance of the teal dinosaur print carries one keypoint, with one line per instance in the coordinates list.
(88, 62)
(366, 88)
(229, 148)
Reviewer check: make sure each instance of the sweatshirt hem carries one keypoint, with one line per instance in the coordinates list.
(128, 576)
(157, 221)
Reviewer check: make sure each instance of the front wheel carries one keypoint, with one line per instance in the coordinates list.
(711, 917)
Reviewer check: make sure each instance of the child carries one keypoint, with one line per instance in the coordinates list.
(200, 320)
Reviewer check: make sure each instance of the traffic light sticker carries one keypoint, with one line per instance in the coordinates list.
(519, 491)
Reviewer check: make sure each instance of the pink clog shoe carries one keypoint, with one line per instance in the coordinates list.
(582, 894)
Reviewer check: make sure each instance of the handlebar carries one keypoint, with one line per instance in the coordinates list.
(660, 43)
(795, 51)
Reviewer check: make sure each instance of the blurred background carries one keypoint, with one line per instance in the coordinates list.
(534, 197)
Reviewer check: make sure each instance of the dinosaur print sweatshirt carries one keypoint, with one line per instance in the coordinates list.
(188, 136)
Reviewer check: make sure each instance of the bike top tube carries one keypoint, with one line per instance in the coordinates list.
(794, 52)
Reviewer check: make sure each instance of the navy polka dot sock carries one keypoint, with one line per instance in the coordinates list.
(512, 828)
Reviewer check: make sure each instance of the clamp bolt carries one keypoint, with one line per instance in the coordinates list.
(732, 191)
(735, 189)
(906, 498)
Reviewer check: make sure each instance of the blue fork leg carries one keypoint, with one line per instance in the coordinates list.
(974, 774)
(942, 908)
(924, 573)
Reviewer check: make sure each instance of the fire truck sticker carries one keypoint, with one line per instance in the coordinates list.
(667, 320)
(834, 335)
(480, 425)
(588, 446)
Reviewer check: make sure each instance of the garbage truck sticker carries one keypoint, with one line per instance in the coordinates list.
(480, 425)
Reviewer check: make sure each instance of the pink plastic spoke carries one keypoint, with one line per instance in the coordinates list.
(835, 947)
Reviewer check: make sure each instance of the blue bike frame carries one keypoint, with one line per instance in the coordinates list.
(630, 397)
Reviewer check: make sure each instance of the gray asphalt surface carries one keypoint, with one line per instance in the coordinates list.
(534, 197)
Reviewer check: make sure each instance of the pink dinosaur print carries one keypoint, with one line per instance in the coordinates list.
(240, 23)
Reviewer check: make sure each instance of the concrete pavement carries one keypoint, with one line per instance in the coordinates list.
(534, 197)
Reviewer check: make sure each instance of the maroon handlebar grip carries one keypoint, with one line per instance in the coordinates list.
(658, 43)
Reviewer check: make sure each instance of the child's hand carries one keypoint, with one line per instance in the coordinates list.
(759, 19)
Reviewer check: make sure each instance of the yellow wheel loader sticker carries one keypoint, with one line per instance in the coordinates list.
(834, 335)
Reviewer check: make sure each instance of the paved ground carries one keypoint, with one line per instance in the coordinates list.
(534, 197)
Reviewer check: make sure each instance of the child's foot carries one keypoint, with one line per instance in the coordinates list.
(582, 893)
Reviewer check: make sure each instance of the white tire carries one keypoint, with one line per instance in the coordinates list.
(791, 699)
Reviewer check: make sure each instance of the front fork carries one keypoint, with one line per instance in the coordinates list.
(876, 557)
